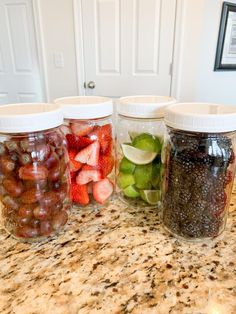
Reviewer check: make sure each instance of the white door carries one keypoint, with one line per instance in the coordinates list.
(19, 67)
(127, 46)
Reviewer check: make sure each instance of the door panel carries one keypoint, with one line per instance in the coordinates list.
(19, 67)
(128, 45)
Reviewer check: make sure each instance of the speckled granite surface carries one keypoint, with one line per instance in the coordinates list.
(119, 261)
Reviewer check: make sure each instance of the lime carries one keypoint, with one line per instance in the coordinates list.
(131, 191)
(125, 179)
(156, 176)
(152, 197)
(147, 142)
(143, 176)
(137, 156)
(126, 166)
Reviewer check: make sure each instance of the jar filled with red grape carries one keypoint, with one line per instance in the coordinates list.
(34, 171)
(90, 139)
(199, 169)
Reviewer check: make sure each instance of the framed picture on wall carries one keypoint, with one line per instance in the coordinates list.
(226, 45)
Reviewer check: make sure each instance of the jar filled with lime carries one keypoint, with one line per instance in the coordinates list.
(140, 133)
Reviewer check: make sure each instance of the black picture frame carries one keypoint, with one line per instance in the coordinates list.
(227, 29)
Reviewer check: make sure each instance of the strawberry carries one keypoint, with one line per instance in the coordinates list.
(87, 167)
(89, 155)
(81, 129)
(106, 164)
(103, 134)
(86, 176)
(102, 190)
(74, 164)
(77, 142)
(79, 194)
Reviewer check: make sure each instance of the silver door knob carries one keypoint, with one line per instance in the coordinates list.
(91, 84)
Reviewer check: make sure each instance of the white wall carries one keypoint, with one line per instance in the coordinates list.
(195, 78)
(58, 32)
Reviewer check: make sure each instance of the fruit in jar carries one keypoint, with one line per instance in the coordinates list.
(7, 165)
(195, 198)
(13, 187)
(102, 190)
(140, 168)
(33, 184)
(138, 156)
(86, 176)
(27, 232)
(59, 219)
(90, 149)
(89, 155)
(80, 194)
(42, 212)
(31, 196)
(33, 172)
(125, 179)
(143, 176)
(152, 197)
(147, 142)
(127, 166)
(131, 191)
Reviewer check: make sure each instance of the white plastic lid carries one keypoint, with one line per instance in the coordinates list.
(29, 117)
(85, 107)
(201, 117)
(144, 106)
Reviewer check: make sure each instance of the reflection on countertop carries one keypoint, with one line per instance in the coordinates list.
(119, 260)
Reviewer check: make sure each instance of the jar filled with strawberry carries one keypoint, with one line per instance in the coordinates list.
(34, 171)
(89, 135)
(200, 165)
(140, 132)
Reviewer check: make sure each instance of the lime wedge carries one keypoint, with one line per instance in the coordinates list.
(137, 156)
(147, 142)
(125, 179)
(131, 191)
(126, 166)
(143, 176)
(152, 197)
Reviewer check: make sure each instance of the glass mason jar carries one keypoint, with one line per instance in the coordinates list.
(200, 166)
(89, 134)
(34, 175)
(140, 131)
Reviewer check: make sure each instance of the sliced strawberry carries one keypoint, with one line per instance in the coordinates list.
(102, 190)
(104, 135)
(74, 164)
(81, 129)
(89, 155)
(108, 149)
(87, 167)
(77, 142)
(79, 194)
(106, 164)
(86, 176)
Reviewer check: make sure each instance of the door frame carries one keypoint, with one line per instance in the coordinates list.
(176, 57)
(40, 48)
(79, 46)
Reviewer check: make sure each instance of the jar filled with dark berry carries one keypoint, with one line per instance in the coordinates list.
(34, 171)
(140, 132)
(89, 133)
(199, 169)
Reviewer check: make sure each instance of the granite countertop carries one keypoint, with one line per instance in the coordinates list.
(119, 260)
